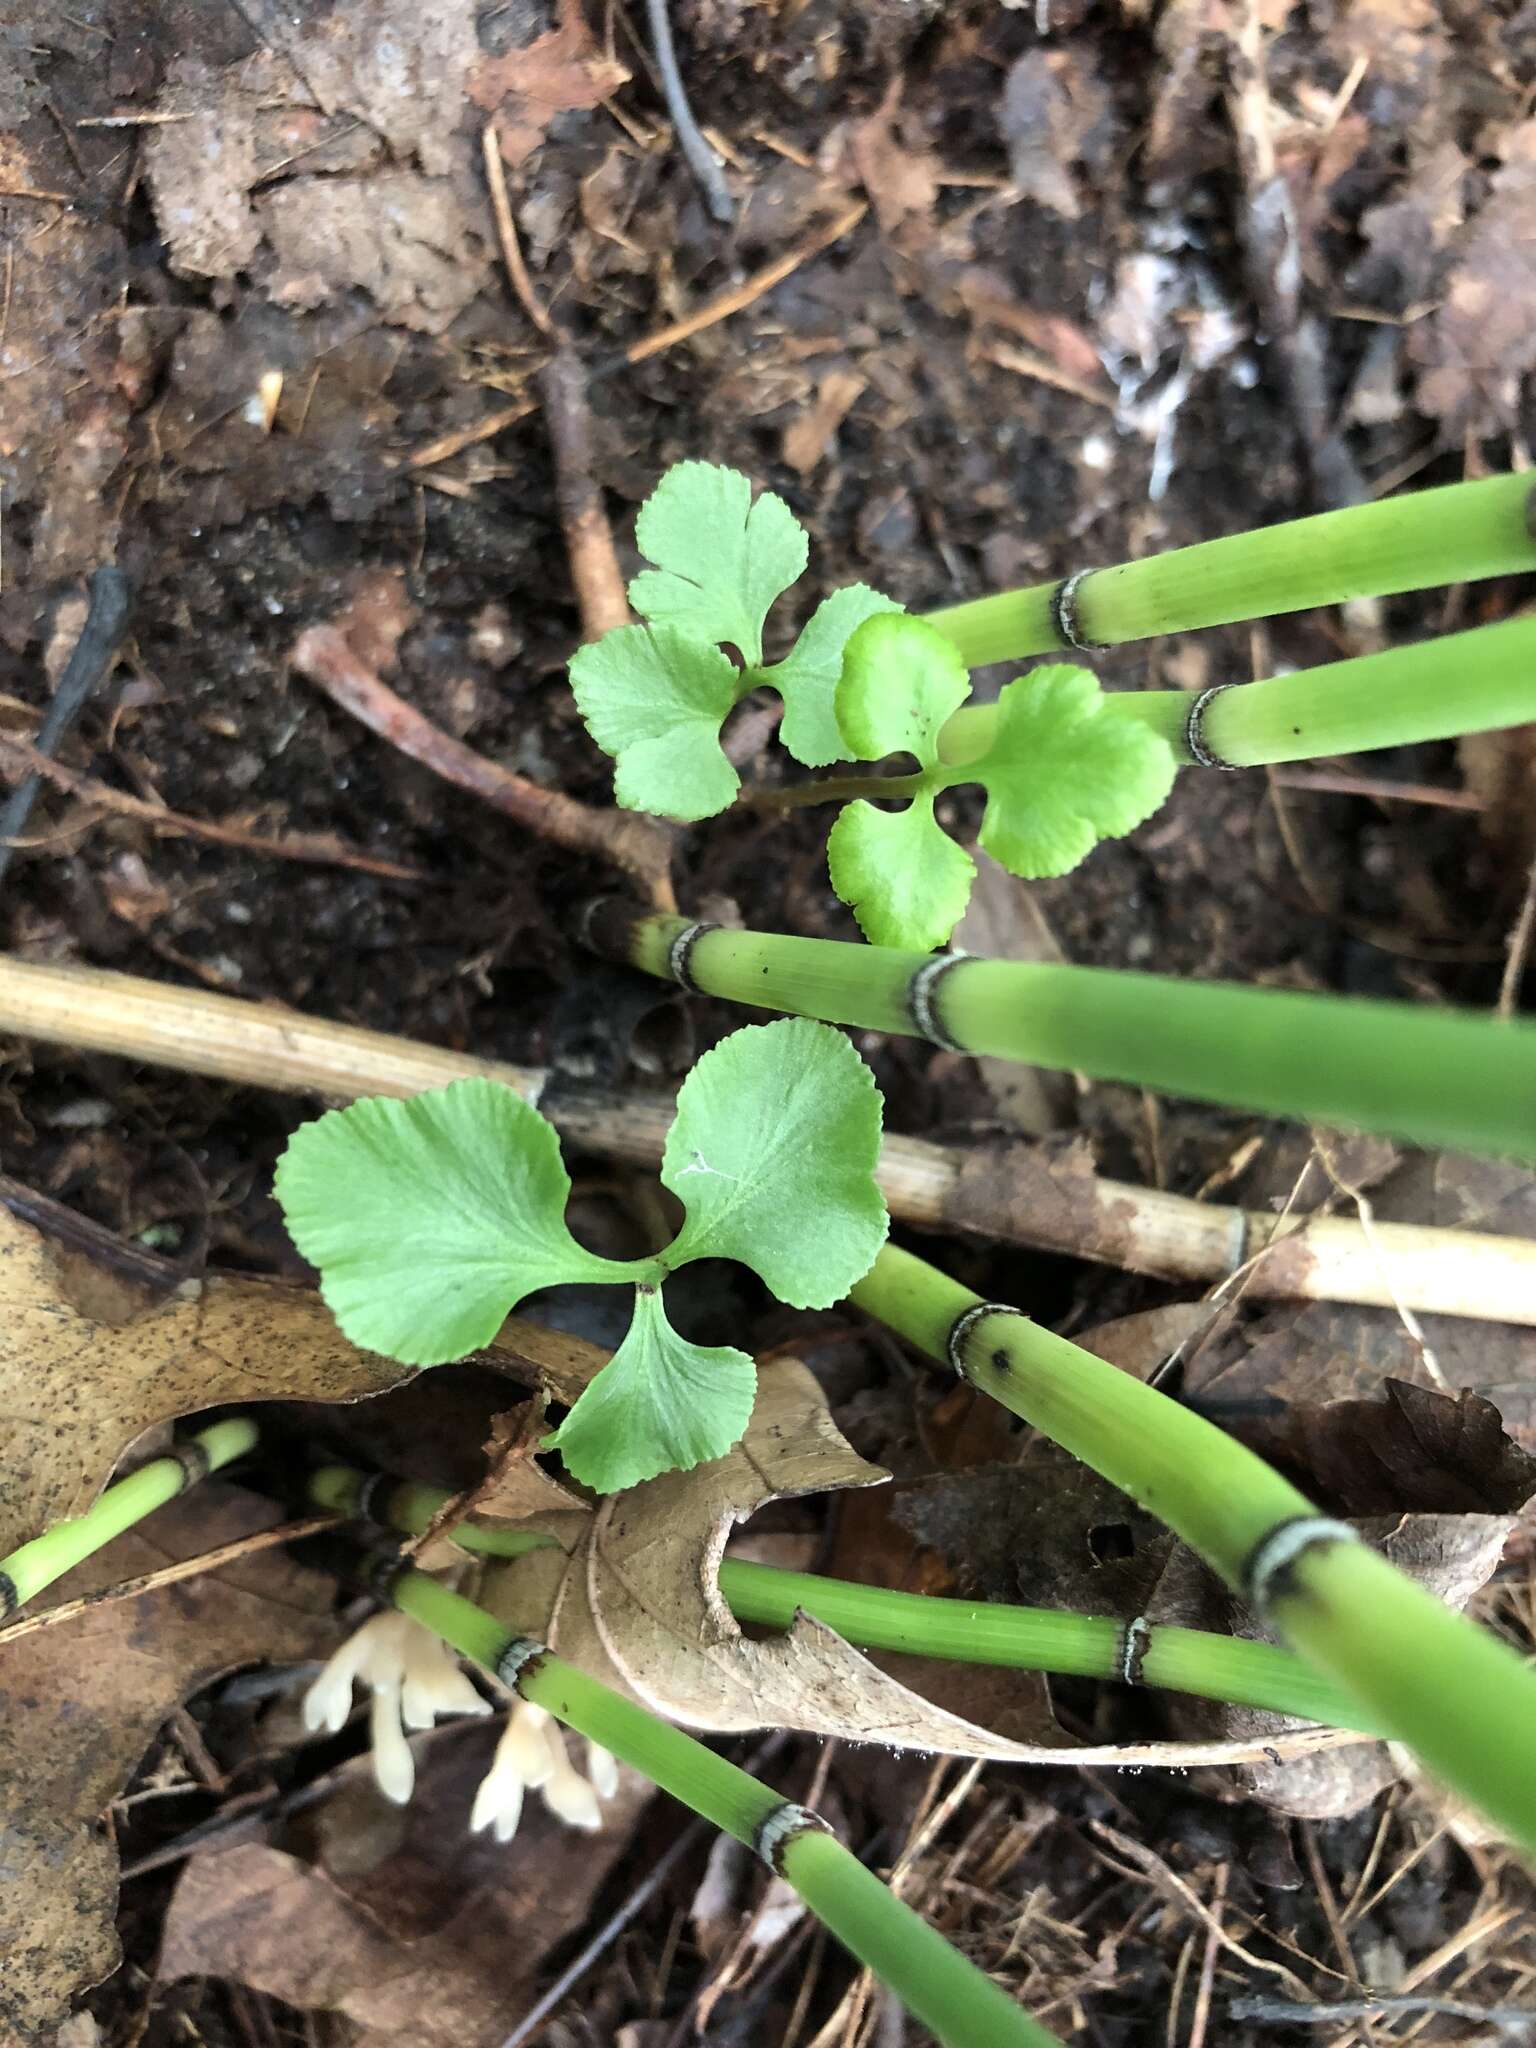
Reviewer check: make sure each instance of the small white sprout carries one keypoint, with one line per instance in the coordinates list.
(414, 1680)
(531, 1756)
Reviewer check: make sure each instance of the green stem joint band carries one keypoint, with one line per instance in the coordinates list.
(36, 1565)
(1437, 1077)
(948, 1994)
(1458, 533)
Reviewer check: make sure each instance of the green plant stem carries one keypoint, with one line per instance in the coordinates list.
(1434, 690)
(25, 1573)
(1227, 1668)
(1432, 1076)
(948, 1994)
(1456, 534)
(1459, 1697)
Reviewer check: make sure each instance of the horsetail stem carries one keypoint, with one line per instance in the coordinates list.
(948, 1994)
(1138, 1652)
(1450, 1690)
(25, 1573)
(1469, 682)
(1456, 534)
(1432, 1076)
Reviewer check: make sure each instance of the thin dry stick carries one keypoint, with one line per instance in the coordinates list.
(1147, 1863)
(167, 1575)
(1519, 947)
(1202, 2015)
(446, 445)
(1366, 1212)
(595, 573)
(18, 758)
(1335, 782)
(1013, 1198)
(1327, 2013)
(636, 844)
(741, 295)
(506, 231)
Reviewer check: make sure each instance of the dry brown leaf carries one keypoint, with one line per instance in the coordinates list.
(808, 435)
(631, 1597)
(78, 1707)
(989, 302)
(201, 163)
(1482, 341)
(399, 68)
(67, 368)
(1053, 115)
(1410, 1448)
(409, 244)
(896, 167)
(558, 73)
(1328, 1352)
(435, 1943)
(81, 1378)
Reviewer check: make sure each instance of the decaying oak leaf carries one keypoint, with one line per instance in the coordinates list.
(1046, 1531)
(631, 1596)
(438, 1943)
(81, 1377)
(79, 1704)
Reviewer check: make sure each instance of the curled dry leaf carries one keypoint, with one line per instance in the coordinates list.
(79, 1705)
(631, 1596)
(82, 1375)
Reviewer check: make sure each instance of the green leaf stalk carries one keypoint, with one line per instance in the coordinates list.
(948, 1994)
(28, 1570)
(1431, 1076)
(1459, 533)
(1478, 681)
(1227, 1668)
(1427, 1676)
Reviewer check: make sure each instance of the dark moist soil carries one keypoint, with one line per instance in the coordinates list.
(951, 474)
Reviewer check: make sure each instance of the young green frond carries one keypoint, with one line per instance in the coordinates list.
(1060, 775)
(431, 1219)
(656, 696)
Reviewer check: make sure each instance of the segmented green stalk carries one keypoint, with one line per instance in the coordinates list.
(1433, 1076)
(951, 1997)
(1433, 690)
(1139, 1652)
(1456, 534)
(1450, 1690)
(25, 1573)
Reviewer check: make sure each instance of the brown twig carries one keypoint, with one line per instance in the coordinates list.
(1015, 1193)
(595, 573)
(1519, 947)
(506, 231)
(447, 445)
(636, 844)
(738, 296)
(19, 758)
(1334, 782)
(168, 1575)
